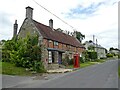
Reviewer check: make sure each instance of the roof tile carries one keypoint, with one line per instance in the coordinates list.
(55, 35)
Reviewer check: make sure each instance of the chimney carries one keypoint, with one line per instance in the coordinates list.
(29, 12)
(74, 34)
(15, 28)
(51, 23)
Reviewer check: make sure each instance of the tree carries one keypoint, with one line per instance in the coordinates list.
(111, 49)
(91, 47)
(79, 36)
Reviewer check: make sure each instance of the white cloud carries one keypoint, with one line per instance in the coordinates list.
(104, 19)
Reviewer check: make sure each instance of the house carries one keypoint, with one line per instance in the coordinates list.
(56, 44)
(115, 51)
(101, 51)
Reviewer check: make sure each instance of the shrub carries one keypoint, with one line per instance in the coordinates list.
(81, 60)
(109, 55)
(70, 61)
(85, 56)
(66, 60)
(92, 55)
(119, 55)
(24, 53)
(5, 56)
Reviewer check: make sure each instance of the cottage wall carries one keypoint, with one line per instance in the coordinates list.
(68, 49)
(27, 28)
(50, 48)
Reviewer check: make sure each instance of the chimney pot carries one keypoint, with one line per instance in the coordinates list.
(29, 12)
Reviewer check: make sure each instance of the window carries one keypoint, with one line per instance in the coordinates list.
(50, 41)
(55, 43)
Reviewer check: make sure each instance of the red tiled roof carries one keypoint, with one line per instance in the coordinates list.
(55, 35)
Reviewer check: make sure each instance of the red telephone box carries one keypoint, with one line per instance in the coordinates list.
(76, 60)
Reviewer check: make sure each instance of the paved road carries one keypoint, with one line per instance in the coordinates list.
(97, 76)
(9, 81)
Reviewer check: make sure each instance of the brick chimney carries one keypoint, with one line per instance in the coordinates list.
(15, 27)
(51, 23)
(29, 12)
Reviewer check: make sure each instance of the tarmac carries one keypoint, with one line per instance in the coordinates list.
(8, 81)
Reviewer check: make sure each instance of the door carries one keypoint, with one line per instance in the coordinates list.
(60, 58)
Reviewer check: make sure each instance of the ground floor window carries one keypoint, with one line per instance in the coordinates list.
(55, 57)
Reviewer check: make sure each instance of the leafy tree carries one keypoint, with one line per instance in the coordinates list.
(80, 36)
(111, 49)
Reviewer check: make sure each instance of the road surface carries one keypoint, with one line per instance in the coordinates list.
(103, 75)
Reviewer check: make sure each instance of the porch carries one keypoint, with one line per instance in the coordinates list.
(55, 58)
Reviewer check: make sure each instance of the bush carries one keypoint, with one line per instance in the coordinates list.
(70, 61)
(119, 55)
(85, 56)
(103, 58)
(81, 60)
(92, 55)
(66, 61)
(5, 56)
(24, 53)
(109, 55)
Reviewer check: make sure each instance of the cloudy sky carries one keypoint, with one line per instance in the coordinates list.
(90, 17)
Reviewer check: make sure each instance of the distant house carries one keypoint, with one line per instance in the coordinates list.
(56, 43)
(97, 48)
(115, 51)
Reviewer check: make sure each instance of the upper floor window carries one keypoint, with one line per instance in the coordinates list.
(55, 43)
(50, 41)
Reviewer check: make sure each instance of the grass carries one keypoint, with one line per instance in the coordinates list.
(11, 69)
(86, 64)
(82, 65)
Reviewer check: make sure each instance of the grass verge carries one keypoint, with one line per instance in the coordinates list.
(82, 65)
(11, 69)
(86, 64)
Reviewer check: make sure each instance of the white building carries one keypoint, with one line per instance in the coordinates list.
(115, 51)
(97, 48)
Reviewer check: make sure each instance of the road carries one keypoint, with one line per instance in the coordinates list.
(103, 75)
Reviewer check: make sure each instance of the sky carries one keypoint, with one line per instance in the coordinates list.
(90, 17)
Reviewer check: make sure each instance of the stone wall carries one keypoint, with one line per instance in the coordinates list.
(28, 27)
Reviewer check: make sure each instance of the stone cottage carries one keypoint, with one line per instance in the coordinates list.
(56, 43)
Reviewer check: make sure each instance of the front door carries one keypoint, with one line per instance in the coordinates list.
(60, 58)
(53, 57)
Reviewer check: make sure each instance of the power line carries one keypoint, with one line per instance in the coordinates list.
(54, 15)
